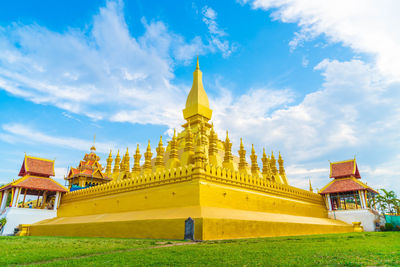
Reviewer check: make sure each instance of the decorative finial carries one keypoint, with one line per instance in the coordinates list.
(197, 66)
(93, 148)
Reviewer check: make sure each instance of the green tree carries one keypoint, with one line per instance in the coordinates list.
(388, 202)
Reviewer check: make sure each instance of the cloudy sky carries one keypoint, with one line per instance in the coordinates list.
(317, 80)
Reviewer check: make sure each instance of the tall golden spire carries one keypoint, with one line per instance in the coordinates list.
(197, 100)
(173, 160)
(147, 160)
(242, 158)
(159, 163)
(188, 151)
(310, 189)
(255, 170)
(213, 156)
(127, 161)
(116, 163)
(266, 170)
(136, 163)
(228, 157)
(109, 163)
(272, 163)
(282, 172)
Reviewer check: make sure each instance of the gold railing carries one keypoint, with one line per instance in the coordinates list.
(180, 174)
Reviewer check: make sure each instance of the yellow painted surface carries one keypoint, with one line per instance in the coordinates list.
(196, 176)
(220, 211)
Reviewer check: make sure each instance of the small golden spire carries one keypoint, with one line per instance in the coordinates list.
(213, 149)
(174, 147)
(173, 160)
(147, 159)
(310, 189)
(109, 163)
(117, 162)
(242, 158)
(228, 157)
(281, 167)
(159, 163)
(127, 161)
(255, 170)
(272, 163)
(136, 162)
(266, 170)
(188, 139)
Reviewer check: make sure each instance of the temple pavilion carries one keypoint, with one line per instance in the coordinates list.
(193, 187)
(88, 173)
(33, 197)
(347, 197)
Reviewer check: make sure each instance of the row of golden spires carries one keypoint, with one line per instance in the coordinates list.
(206, 148)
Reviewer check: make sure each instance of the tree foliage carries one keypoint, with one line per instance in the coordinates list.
(387, 202)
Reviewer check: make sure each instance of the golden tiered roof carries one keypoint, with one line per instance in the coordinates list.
(89, 168)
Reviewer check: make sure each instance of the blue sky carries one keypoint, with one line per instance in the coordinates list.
(317, 81)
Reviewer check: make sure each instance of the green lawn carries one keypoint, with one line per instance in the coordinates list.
(356, 249)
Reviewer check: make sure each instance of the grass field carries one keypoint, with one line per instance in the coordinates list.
(355, 249)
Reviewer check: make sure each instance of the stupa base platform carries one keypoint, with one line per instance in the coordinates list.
(210, 223)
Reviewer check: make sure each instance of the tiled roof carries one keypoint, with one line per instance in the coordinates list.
(345, 185)
(88, 167)
(346, 168)
(37, 183)
(37, 166)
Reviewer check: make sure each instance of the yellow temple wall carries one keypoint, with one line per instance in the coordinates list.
(173, 195)
(223, 205)
(178, 188)
(214, 194)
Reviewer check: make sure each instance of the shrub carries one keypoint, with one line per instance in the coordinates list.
(389, 227)
(397, 227)
(382, 228)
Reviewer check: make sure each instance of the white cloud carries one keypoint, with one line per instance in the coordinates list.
(365, 26)
(103, 71)
(217, 42)
(22, 133)
(356, 110)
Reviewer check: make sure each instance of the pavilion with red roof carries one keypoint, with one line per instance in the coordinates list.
(35, 190)
(347, 192)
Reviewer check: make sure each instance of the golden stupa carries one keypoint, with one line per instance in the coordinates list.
(195, 176)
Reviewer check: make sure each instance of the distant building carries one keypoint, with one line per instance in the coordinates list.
(35, 183)
(347, 198)
(88, 173)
